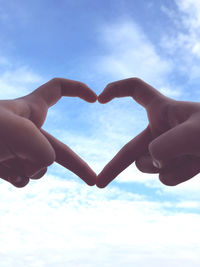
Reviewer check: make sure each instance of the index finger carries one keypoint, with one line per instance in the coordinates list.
(70, 160)
(142, 92)
(127, 155)
(54, 89)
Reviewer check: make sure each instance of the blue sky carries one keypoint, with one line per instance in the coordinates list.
(135, 221)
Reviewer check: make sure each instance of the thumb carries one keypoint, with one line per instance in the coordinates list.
(140, 91)
(178, 141)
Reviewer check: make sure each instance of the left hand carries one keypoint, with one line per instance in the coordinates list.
(26, 150)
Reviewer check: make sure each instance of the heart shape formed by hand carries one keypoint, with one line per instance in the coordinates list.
(27, 150)
(170, 143)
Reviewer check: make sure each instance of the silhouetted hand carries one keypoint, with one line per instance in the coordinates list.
(26, 150)
(170, 145)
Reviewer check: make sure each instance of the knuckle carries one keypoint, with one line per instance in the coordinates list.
(135, 80)
(110, 84)
(81, 84)
(26, 126)
(56, 81)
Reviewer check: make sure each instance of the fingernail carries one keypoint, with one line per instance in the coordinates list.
(157, 164)
(36, 173)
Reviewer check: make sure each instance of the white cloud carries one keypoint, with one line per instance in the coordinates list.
(132, 174)
(4, 62)
(189, 204)
(111, 126)
(171, 93)
(55, 222)
(182, 42)
(191, 12)
(114, 124)
(186, 191)
(107, 130)
(16, 81)
(129, 53)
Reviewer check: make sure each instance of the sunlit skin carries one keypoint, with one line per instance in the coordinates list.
(169, 145)
(171, 141)
(26, 150)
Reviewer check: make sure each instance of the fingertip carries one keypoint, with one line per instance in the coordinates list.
(85, 92)
(92, 183)
(101, 186)
(89, 96)
(93, 98)
(102, 99)
(20, 182)
(90, 179)
(168, 182)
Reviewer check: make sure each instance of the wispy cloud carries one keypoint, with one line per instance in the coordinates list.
(182, 42)
(60, 222)
(130, 53)
(107, 130)
(186, 191)
(55, 222)
(17, 81)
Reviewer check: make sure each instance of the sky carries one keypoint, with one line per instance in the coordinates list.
(135, 221)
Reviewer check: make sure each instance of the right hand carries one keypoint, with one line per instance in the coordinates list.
(170, 145)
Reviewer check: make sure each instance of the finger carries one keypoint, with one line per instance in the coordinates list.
(145, 164)
(178, 141)
(25, 168)
(127, 155)
(180, 170)
(142, 92)
(53, 90)
(12, 177)
(19, 181)
(25, 141)
(70, 160)
(39, 174)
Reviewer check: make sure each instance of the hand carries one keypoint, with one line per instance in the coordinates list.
(170, 145)
(26, 150)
